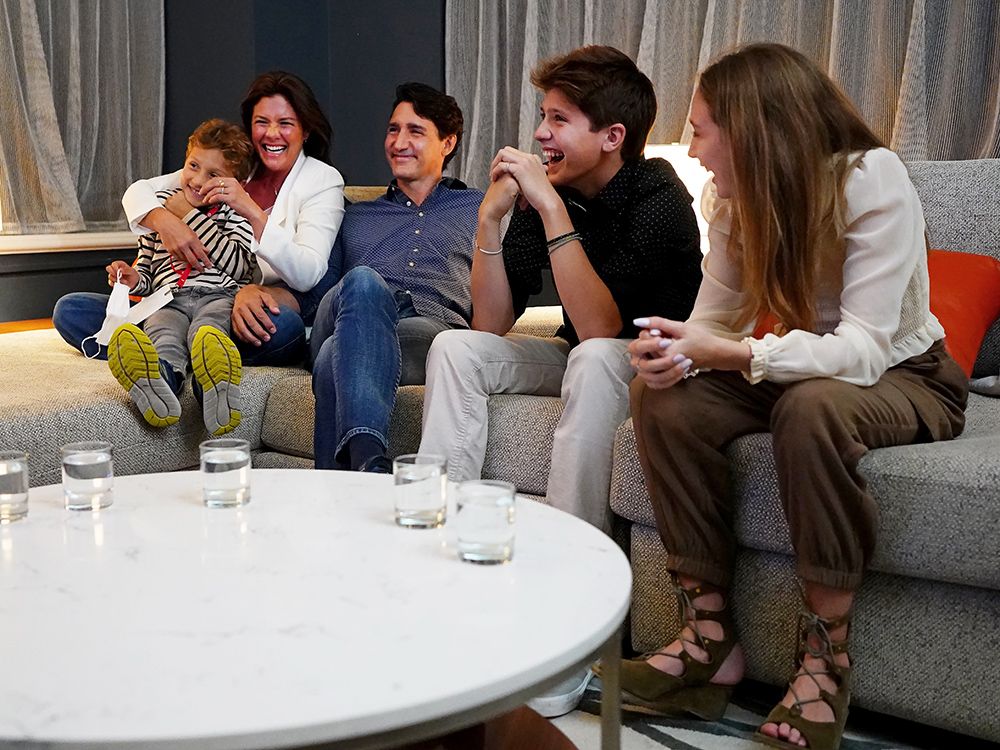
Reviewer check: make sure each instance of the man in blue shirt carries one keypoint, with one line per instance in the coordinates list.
(402, 268)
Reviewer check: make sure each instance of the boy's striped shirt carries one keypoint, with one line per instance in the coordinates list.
(226, 236)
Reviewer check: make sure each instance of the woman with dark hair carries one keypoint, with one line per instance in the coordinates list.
(814, 222)
(294, 201)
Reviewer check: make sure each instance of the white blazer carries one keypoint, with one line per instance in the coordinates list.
(299, 234)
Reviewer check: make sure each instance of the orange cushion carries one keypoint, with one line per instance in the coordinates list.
(965, 297)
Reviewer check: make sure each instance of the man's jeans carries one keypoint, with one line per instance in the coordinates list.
(357, 363)
(81, 314)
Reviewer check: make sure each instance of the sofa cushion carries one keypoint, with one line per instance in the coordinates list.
(290, 413)
(930, 498)
(54, 395)
(519, 446)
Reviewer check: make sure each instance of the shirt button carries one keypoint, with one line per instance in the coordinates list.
(416, 231)
(409, 203)
(420, 213)
(416, 249)
(411, 264)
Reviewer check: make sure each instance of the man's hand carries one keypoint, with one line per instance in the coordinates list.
(531, 176)
(178, 239)
(129, 276)
(251, 322)
(499, 199)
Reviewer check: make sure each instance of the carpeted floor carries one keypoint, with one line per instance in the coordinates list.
(752, 701)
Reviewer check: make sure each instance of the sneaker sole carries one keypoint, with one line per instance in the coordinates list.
(133, 361)
(218, 369)
(551, 706)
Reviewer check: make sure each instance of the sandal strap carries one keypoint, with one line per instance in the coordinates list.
(717, 650)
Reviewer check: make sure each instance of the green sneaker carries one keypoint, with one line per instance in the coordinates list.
(218, 370)
(136, 366)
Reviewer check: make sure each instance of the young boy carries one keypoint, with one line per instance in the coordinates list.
(620, 237)
(151, 363)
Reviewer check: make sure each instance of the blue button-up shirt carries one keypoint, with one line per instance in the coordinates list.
(425, 250)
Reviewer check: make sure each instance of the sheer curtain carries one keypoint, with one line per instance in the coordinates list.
(924, 73)
(81, 90)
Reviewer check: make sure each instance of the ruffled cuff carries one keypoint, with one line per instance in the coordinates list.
(758, 360)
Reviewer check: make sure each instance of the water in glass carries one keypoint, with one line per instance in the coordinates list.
(13, 486)
(225, 477)
(484, 522)
(420, 490)
(88, 479)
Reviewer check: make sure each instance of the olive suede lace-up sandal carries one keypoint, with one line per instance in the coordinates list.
(218, 369)
(135, 364)
(816, 643)
(692, 692)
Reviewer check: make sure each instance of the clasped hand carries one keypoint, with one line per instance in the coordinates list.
(667, 350)
(514, 174)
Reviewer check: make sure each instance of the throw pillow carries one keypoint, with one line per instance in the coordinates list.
(965, 297)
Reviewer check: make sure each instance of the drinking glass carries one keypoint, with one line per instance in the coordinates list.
(421, 495)
(13, 486)
(225, 472)
(88, 475)
(484, 521)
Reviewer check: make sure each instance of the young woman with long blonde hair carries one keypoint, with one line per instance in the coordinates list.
(814, 222)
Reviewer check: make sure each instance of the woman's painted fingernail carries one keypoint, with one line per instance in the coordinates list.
(678, 358)
(655, 332)
(664, 343)
(641, 322)
(687, 364)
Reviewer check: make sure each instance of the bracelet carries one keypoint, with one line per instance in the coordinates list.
(563, 239)
(484, 251)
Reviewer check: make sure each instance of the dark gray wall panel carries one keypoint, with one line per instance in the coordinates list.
(32, 283)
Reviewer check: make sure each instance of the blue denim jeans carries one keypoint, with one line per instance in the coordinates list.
(81, 314)
(355, 351)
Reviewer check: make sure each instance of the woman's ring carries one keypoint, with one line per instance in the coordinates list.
(222, 184)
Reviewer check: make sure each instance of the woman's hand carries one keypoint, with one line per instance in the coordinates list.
(129, 276)
(531, 176)
(178, 239)
(230, 191)
(652, 363)
(667, 349)
(251, 322)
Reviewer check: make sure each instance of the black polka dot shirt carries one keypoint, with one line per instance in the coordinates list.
(639, 233)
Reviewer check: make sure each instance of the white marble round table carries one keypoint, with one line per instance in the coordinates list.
(306, 616)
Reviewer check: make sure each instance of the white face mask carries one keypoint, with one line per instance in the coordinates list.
(117, 314)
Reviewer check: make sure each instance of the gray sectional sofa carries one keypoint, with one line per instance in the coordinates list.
(926, 637)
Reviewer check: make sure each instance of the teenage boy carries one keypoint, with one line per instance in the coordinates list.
(151, 362)
(405, 259)
(620, 237)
